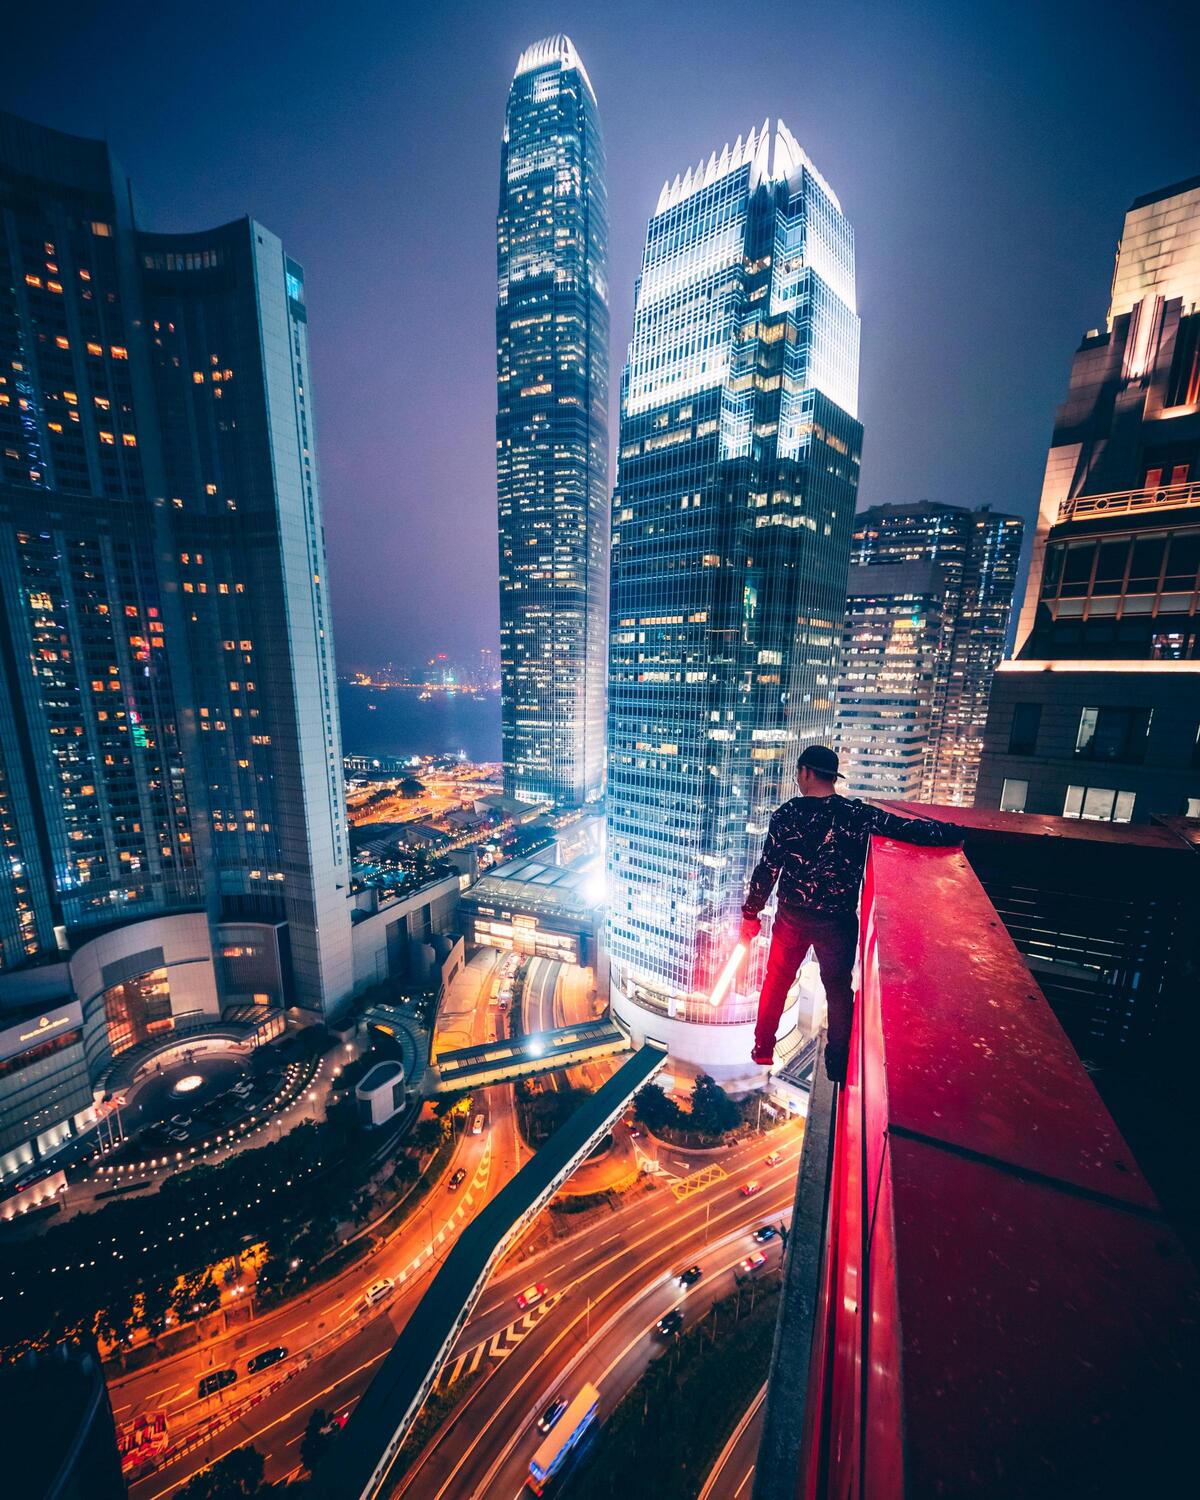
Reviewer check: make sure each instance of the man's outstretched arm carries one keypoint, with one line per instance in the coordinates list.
(929, 831)
(766, 873)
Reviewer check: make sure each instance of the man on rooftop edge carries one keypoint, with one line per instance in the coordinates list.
(816, 847)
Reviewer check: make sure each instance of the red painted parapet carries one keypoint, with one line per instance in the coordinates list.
(1004, 1311)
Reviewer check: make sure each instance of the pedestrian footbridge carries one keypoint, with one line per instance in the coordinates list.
(520, 1057)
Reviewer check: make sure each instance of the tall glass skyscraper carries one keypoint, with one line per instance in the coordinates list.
(930, 593)
(172, 824)
(739, 459)
(552, 429)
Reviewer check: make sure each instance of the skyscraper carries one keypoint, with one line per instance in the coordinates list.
(171, 801)
(930, 593)
(732, 516)
(552, 429)
(1098, 716)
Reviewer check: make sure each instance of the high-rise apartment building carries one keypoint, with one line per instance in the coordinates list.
(171, 800)
(552, 429)
(739, 458)
(1098, 715)
(930, 591)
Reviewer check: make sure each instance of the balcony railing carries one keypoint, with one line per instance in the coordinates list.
(1130, 502)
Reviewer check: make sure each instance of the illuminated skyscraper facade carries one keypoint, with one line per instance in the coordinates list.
(172, 824)
(552, 429)
(739, 459)
(1098, 716)
(930, 593)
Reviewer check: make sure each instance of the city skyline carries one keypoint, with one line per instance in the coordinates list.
(933, 175)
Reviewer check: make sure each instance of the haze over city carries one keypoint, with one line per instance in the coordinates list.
(976, 150)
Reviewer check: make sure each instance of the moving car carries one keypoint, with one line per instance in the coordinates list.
(754, 1262)
(670, 1322)
(531, 1294)
(764, 1232)
(265, 1359)
(457, 1179)
(750, 1188)
(477, 1125)
(217, 1381)
(689, 1277)
(378, 1290)
(335, 1423)
(552, 1413)
(773, 1158)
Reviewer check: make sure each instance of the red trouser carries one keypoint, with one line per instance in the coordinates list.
(834, 938)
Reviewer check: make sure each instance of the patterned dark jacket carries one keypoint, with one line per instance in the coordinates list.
(816, 848)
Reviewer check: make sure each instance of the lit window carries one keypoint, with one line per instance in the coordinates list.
(118, 352)
(107, 437)
(1012, 797)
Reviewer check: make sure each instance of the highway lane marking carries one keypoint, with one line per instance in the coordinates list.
(733, 1208)
(166, 1391)
(258, 1432)
(609, 1323)
(498, 1346)
(735, 1438)
(665, 1208)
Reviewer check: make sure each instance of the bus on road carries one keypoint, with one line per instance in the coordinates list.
(563, 1439)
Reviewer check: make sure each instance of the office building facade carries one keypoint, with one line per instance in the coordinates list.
(552, 429)
(1098, 714)
(171, 796)
(930, 591)
(732, 516)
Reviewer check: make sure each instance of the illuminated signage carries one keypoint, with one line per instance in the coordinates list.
(34, 1031)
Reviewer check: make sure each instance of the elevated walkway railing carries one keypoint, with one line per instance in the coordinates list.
(522, 1057)
(358, 1467)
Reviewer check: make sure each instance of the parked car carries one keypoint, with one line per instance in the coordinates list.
(217, 1381)
(552, 1413)
(689, 1277)
(531, 1294)
(670, 1323)
(265, 1359)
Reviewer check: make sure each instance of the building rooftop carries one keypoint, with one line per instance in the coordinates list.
(376, 1077)
(534, 886)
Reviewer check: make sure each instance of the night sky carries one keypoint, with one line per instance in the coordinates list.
(985, 155)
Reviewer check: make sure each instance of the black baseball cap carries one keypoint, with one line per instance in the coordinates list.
(822, 760)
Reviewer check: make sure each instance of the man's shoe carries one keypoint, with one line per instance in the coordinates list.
(763, 1059)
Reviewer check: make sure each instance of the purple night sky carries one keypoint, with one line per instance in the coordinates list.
(984, 153)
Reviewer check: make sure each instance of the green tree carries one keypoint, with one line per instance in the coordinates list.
(654, 1107)
(713, 1111)
(237, 1476)
(315, 1443)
